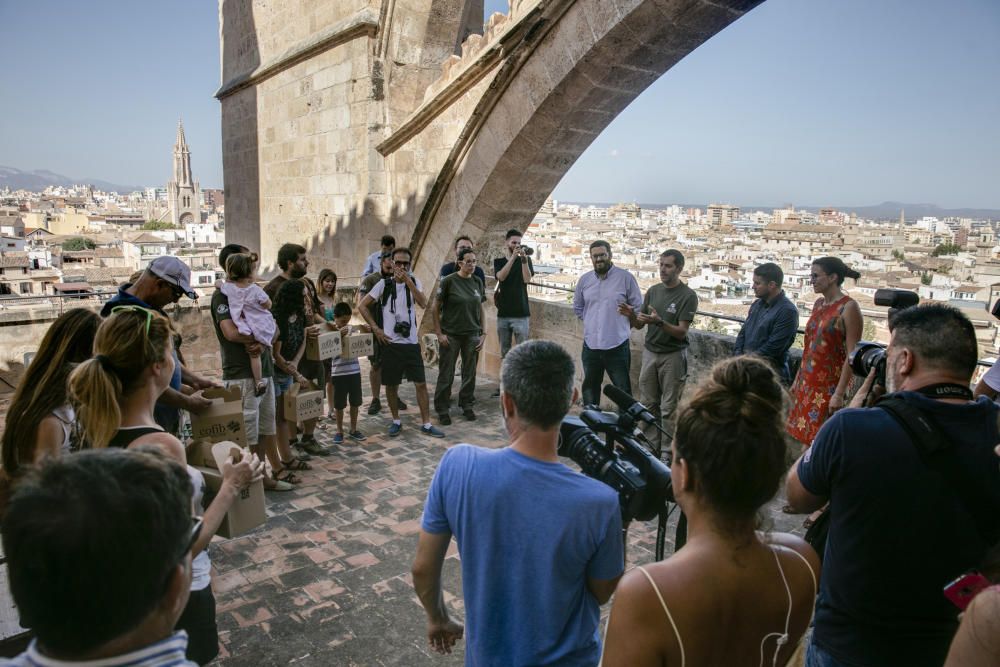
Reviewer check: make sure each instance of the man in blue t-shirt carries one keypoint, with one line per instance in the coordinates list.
(903, 524)
(541, 545)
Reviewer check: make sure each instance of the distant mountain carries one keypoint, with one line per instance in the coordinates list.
(887, 210)
(39, 179)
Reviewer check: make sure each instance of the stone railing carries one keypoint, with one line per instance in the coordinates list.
(549, 321)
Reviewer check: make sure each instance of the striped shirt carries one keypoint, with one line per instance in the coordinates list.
(341, 366)
(168, 652)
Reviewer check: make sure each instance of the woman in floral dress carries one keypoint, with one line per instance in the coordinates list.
(833, 330)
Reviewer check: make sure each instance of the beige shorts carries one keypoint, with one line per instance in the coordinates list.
(258, 411)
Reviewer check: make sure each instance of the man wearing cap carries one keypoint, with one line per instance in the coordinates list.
(164, 282)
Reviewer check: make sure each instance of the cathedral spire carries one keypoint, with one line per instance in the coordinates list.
(181, 143)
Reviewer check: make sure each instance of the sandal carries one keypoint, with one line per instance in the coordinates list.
(296, 464)
(286, 476)
(272, 485)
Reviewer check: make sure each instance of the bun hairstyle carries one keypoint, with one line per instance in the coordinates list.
(836, 265)
(123, 350)
(731, 434)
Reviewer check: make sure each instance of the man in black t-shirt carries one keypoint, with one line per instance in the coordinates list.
(513, 273)
(461, 243)
(903, 523)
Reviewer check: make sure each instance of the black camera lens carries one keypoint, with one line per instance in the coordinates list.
(866, 356)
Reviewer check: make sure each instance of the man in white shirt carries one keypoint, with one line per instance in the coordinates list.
(396, 330)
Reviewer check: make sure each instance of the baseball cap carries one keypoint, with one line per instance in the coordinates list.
(175, 272)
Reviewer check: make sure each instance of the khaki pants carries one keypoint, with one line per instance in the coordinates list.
(661, 383)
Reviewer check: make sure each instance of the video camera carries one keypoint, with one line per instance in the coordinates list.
(867, 354)
(641, 479)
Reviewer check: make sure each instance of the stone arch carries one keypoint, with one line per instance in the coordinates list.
(187, 219)
(551, 97)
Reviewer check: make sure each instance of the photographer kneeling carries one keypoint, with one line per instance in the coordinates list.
(911, 508)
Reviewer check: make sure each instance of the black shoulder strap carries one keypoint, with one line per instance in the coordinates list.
(936, 452)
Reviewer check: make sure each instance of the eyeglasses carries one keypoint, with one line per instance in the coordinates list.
(188, 544)
(176, 290)
(196, 524)
(138, 309)
(401, 264)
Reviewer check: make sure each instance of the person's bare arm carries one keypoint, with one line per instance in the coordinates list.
(366, 314)
(436, 321)
(48, 439)
(442, 632)
(232, 334)
(634, 639)
(602, 589)
(195, 403)
(852, 334)
(678, 331)
(977, 642)
(799, 498)
(418, 296)
(983, 389)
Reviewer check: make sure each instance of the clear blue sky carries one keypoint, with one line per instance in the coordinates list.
(814, 102)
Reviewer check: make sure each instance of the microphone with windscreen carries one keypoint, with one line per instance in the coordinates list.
(629, 405)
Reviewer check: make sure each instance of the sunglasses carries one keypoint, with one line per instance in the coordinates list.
(138, 309)
(401, 264)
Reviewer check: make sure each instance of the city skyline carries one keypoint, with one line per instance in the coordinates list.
(814, 103)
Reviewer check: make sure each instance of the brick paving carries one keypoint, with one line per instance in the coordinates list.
(326, 581)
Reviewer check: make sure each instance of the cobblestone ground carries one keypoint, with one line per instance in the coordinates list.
(326, 581)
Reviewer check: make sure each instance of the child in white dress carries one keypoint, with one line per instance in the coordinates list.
(250, 309)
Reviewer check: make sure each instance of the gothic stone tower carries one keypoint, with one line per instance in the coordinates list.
(183, 192)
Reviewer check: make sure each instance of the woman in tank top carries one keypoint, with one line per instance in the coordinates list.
(40, 419)
(730, 596)
(116, 392)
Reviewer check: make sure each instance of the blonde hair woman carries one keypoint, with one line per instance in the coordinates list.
(116, 391)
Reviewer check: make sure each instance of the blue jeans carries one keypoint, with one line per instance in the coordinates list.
(817, 657)
(617, 362)
(508, 327)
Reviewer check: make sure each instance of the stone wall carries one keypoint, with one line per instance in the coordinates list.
(308, 90)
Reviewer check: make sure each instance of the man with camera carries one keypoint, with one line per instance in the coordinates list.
(772, 322)
(375, 359)
(513, 273)
(541, 545)
(394, 323)
(913, 488)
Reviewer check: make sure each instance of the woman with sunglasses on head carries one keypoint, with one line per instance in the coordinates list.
(833, 330)
(731, 595)
(116, 391)
(41, 420)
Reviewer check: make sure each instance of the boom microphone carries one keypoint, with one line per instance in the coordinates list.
(632, 407)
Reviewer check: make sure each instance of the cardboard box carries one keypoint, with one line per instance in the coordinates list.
(199, 454)
(302, 404)
(357, 345)
(223, 420)
(247, 511)
(324, 346)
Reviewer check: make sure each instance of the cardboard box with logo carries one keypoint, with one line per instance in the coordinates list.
(223, 420)
(324, 346)
(302, 404)
(199, 454)
(357, 345)
(247, 511)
